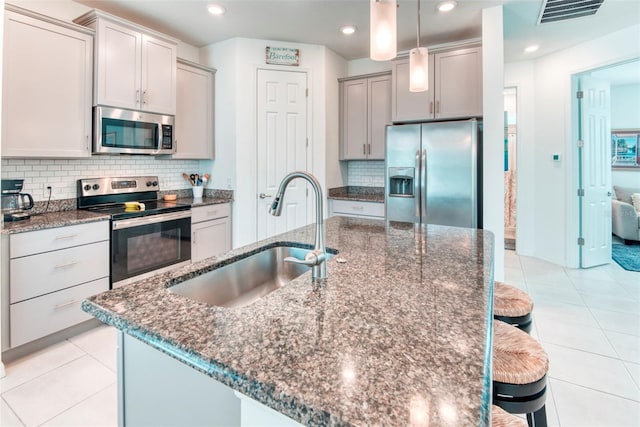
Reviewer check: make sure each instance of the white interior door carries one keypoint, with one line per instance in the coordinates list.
(595, 126)
(282, 148)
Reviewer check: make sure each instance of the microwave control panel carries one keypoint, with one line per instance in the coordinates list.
(167, 137)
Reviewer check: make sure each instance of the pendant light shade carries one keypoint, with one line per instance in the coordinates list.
(383, 30)
(419, 69)
(418, 63)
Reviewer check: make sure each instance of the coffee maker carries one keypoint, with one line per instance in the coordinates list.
(14, 202)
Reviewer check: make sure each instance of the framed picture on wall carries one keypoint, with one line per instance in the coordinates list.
(624, 148)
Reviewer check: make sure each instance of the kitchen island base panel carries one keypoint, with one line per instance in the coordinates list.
(155, 389)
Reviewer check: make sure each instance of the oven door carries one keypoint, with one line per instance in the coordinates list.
(143, 246)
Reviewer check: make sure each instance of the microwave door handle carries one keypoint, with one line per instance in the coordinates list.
(159, 141)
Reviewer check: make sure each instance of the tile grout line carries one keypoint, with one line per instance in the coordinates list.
(597, 390)
(13, 411)
(76, 404)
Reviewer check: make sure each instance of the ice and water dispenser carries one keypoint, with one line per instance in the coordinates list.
(401, 182)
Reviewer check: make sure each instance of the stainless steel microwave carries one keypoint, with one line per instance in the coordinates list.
(120, 131)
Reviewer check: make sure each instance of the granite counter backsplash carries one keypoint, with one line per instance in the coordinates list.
(356, 193)
(399, 331)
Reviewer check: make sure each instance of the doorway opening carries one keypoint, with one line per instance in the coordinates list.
(598, 120)
(510, 190)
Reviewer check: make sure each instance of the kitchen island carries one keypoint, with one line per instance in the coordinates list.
(399, 333)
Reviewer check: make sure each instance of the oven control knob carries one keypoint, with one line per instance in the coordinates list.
(149, 183)
(87, 187)
(96, 186)
(155, 183)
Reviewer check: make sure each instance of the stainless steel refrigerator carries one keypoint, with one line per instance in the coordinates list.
(433, 173)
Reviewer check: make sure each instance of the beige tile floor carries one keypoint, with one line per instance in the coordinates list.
(587, 320)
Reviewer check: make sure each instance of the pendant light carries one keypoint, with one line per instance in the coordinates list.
(382, 16)
(418, 64)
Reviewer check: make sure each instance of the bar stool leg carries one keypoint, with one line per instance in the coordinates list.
(538, 418)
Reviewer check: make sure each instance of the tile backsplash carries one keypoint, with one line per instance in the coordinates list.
(62, 175)
(366, 173)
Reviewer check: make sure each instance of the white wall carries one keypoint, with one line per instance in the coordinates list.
(336, 67)
(625, 114)
(237, 62)
(547, 91)
(493, 135)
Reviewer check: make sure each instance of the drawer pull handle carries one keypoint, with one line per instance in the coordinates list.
(357, 208)
(66, 236)
(69, 264)
(65, 304)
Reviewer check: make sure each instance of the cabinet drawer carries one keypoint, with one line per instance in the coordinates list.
(40, 274)
(358, 208)
(206, 213)
(38, 317)
(34, 242)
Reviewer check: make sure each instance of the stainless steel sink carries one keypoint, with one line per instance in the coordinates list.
(246, 280)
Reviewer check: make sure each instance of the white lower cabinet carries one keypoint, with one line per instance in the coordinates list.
(147, 393)
(210, 231)
(49, 273)
(356, 208)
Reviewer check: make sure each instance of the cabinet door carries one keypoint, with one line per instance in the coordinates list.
(118, 66)
(46, 93)
(158, 76)
(379, 115)
(354, 119)
(409, 106)
(194, 113)
(210, 238)
(459, 83)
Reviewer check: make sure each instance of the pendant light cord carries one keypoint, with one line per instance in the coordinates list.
(418, 29)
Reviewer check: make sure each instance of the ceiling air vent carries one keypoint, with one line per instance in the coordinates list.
(560, 10)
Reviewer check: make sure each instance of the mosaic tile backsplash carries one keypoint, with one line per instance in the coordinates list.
(366, 173)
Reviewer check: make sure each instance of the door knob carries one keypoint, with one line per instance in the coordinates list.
(264, 196)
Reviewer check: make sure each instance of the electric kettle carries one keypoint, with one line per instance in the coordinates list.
(14, 202)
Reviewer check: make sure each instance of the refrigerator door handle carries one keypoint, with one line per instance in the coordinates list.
(423, 186)
(416, 187)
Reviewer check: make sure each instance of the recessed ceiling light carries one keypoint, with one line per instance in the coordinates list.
(447, 5)
(216, 9)
(532, 48)
(348, 29)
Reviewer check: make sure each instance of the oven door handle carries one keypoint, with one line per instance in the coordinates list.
(151, 219)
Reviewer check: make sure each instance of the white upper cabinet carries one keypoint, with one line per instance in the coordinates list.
(455, 87)
(46, 92)
(135, 67)
(365, 110)
(194, 112)
(458, 83)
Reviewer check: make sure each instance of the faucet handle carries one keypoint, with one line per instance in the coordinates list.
(315, 257)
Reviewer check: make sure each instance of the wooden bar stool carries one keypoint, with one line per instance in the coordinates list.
(512, 305)
(501, 418)
(520, 367)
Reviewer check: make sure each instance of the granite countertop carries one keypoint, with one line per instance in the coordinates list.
(399, 332)
(63, 218)
(356, 193)
(52, 220)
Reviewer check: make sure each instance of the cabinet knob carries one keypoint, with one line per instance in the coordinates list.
(264, 196)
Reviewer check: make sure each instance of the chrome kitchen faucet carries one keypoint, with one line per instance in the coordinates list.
(318, 257)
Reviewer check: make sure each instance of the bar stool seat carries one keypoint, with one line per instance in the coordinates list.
(520, 367)
(501, 418)
(512, 305)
